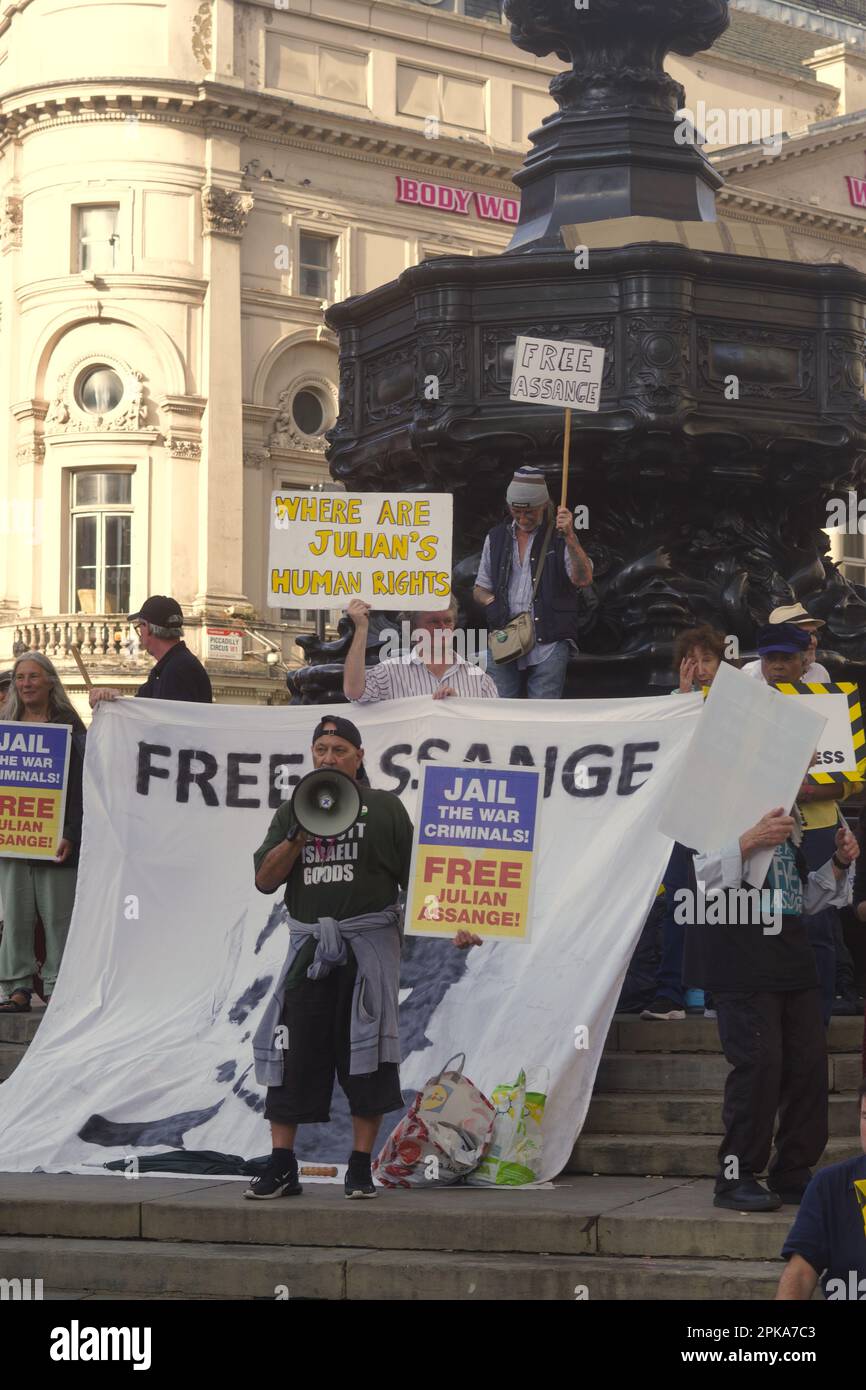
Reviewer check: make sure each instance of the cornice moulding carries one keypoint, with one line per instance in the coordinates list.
(175, 287)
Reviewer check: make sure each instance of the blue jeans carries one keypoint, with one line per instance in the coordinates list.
(543, 682)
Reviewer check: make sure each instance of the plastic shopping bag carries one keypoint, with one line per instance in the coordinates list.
(442, 1137)
(513, 1156)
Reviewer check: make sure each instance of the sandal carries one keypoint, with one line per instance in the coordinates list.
(11, 1006)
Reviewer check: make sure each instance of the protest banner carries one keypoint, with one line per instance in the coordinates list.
(473, 857)
(548, 371)
(749, 753)
(327, 548)
(842, 746)
(34, 762)
(176, 799)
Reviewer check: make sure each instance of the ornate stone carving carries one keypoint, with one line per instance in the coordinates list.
(284, 432)
(183, 448)
(202, 29)
(30, 451)
(225, 211)
(65, 416)
(256, 458)
(11, 223)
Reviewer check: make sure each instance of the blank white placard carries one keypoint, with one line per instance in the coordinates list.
(749, 753)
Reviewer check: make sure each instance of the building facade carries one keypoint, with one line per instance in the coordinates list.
(186, 184)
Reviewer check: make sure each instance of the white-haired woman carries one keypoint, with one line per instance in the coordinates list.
(43, 887)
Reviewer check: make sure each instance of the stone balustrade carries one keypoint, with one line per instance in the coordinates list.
(97, 635)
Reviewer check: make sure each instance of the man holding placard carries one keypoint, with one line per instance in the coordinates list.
(432, 667)
(761, 970)
(533, 567)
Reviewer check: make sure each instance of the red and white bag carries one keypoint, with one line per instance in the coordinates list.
(443, 1136)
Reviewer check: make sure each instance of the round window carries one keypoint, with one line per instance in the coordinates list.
(308, 412)
(100, 390)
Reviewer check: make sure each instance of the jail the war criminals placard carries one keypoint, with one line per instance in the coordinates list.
(34, 761)
(473, 858)
(392, 552)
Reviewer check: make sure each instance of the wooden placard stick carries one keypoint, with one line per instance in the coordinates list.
(76, 652)
(566, 450)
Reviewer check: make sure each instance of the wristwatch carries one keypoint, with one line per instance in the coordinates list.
(838, 862)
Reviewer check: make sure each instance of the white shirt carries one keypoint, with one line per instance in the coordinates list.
(402, 676)
(815, 672)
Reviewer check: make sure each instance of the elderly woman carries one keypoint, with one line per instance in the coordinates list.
(40, 886)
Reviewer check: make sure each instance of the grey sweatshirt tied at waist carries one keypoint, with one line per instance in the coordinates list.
(374, 1034)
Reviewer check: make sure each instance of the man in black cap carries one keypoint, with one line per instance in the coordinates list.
(336, 1002)
(178, 674)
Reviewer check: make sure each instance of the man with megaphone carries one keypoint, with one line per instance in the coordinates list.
(343, 850)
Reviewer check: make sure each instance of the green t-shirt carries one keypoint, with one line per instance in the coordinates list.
(350, 874)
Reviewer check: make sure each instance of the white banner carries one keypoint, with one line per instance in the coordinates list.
(146, 1045)
(391, 551)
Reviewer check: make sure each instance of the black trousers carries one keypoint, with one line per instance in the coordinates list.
(317, 1015)
(777, 1048)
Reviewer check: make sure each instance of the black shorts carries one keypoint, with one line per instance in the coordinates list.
(317, 1014)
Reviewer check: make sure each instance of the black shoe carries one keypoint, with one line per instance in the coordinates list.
(665, 1009)
(278, 1180)
(847, 1006)
(747, 1196)
(359, 1181)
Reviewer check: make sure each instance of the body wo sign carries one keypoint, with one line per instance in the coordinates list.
(557, 373)
(392, 552)
(473, 859)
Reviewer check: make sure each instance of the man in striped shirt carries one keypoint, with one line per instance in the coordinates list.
(432, 667)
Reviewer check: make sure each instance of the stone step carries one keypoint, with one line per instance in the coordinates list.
(629, 1033)
(10, 1055)
(20, 1028)
(697, 1071)
(682, 1155)
(576, 1216)
(643, 1113)
(272, 1271)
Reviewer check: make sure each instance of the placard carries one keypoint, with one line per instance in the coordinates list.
(326, 548)
(749, 753)
(473, 859)
(34, 763)
(842, 747)
(550, 372)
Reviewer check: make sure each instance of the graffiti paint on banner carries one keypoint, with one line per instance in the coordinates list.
(34, 762)
(473, 859)
(842, 746)
(391, 551)
(557, 373)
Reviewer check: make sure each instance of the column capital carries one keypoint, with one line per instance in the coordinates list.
(225, 211)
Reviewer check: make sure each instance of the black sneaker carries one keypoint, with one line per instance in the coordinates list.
(663, 1009)
(748, 1196)
(359, 1181)
(847, 1006)
(276, 1181)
